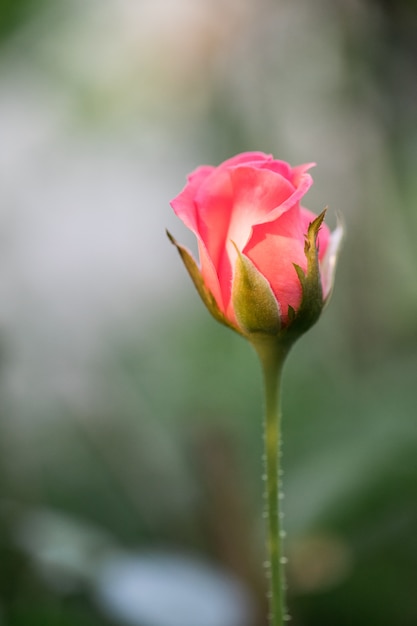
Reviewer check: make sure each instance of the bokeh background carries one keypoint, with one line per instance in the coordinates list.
(130, 422)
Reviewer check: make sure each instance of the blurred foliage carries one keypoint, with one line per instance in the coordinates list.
(17, 13)
(172, 457)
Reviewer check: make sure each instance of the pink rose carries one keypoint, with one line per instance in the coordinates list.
(249, 208)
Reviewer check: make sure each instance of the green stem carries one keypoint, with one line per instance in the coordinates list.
(272, 359)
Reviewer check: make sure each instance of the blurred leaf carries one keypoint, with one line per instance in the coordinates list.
(16, 13)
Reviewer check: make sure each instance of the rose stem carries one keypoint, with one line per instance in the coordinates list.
(272, 359)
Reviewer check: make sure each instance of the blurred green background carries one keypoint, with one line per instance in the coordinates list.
(130, 422)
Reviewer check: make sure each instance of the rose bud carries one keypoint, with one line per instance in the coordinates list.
(266, 263)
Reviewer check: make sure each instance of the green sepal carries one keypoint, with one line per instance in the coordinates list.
(312, 303)
(291, 313)
(254, 303)
(205, 294)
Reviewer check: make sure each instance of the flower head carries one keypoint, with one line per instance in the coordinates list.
(266, 262)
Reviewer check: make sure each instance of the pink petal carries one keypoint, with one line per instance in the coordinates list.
(303, 186)
(227, 203)
(274, 254)
(184, 205)
(257, 194)
(199, 174)
(299, 171)
(214, 204)
(247, 157)
(186, 209)
(279, 167)
(209, 275)
(231, 202)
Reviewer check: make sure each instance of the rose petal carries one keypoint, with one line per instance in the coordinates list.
(209, 274)
(247, 157)
(227, 203)
(274, 248)
(214, 203)
(276, 256)
(299, 171)
(184, 204)
(199, 174)
(257, 193)
(279, 167)
(185, 207)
